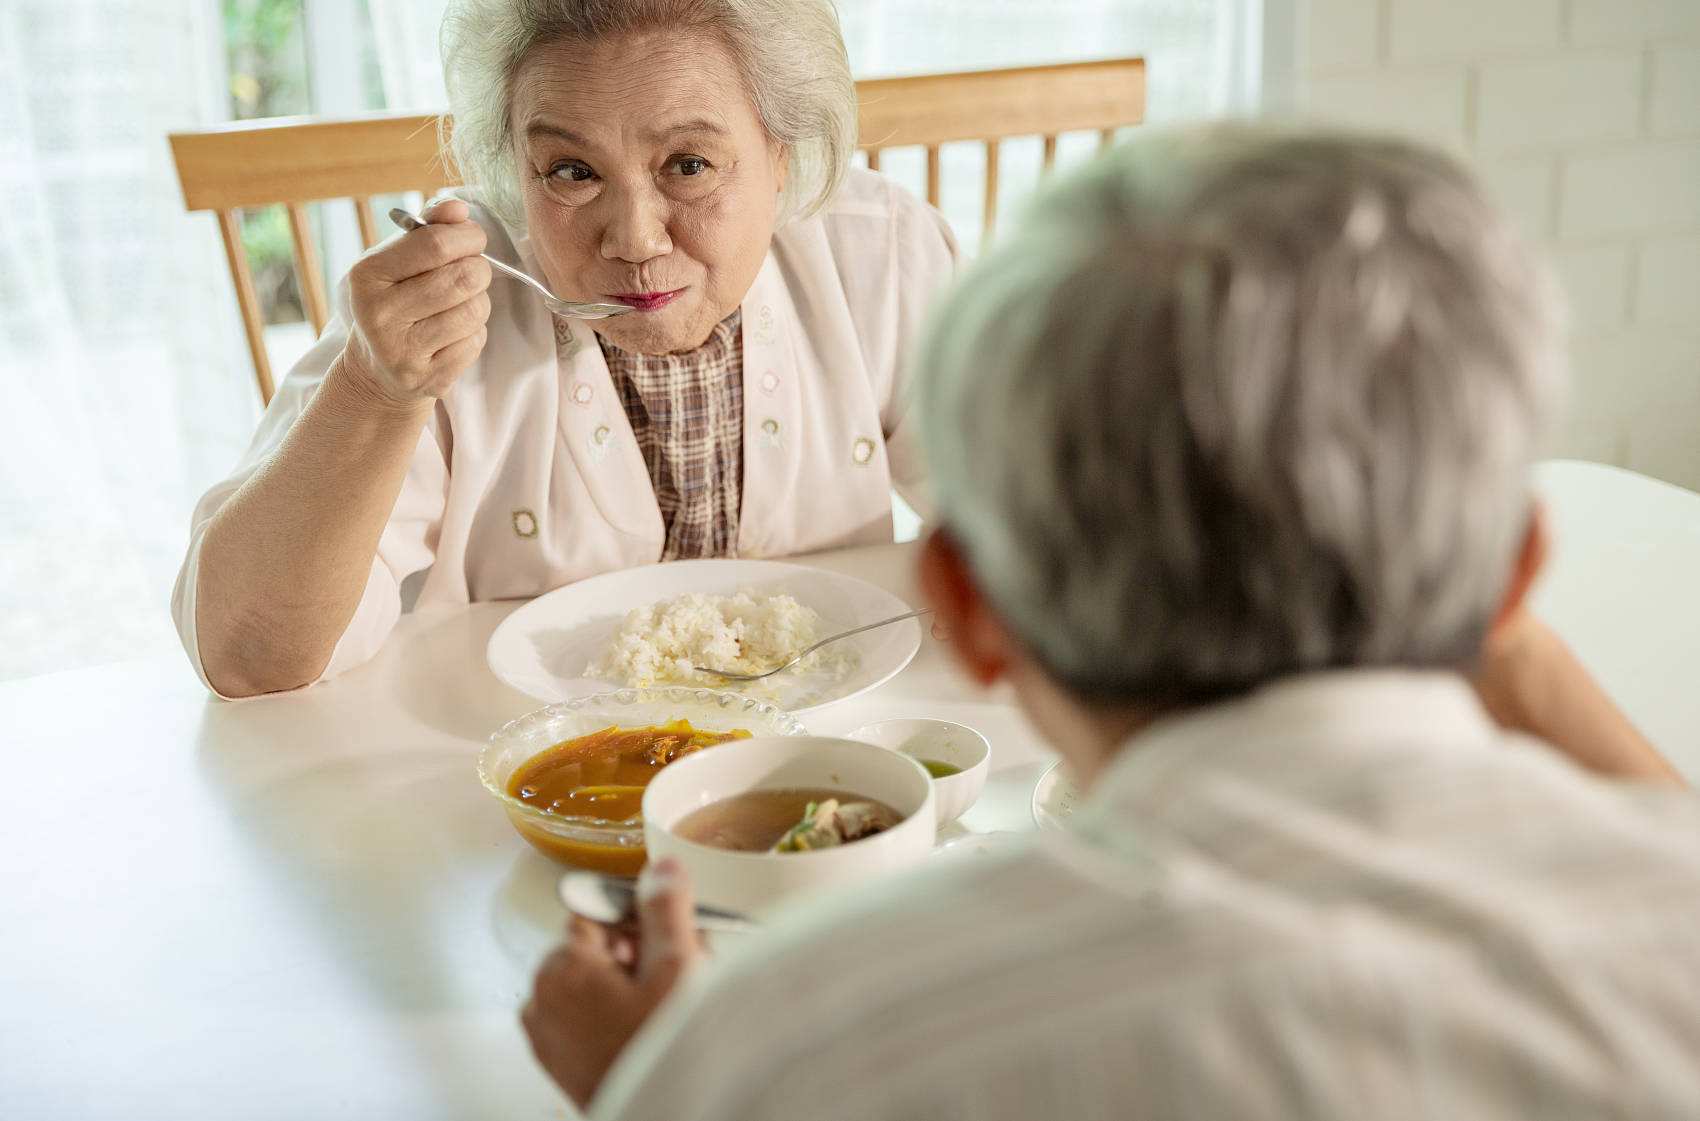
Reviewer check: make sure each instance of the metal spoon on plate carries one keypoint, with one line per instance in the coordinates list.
(806, 651)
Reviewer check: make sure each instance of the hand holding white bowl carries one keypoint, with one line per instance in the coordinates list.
(753, 882)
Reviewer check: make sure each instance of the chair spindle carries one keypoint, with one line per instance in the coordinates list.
(363, 217)
(307, 273)
(247, 299)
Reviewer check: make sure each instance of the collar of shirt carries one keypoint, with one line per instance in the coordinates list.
(719, 338)
(1296, 734)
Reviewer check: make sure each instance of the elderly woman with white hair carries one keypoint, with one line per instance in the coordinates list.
(447, 434)
(1231, 445)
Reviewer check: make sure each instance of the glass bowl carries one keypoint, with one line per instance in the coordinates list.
(608, 846)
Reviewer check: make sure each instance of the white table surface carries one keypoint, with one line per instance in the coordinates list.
(307, 906)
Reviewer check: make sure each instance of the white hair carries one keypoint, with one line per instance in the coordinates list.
(1236, 403)
(790, 54)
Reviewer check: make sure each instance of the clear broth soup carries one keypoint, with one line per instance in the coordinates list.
(755, 820)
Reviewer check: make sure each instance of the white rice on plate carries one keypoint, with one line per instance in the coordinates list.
(747, 632)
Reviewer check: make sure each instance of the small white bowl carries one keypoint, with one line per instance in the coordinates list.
(921, 737)
(753, 882)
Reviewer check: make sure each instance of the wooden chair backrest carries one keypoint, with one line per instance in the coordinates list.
(993, 105)
(293, 161)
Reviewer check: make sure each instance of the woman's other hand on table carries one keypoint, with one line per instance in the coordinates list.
(420, 304)
(593, 993)
(1530, 682)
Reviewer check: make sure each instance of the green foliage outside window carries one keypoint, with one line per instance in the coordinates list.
(266, 46)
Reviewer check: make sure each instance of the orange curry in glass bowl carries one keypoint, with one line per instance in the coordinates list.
(589, 789)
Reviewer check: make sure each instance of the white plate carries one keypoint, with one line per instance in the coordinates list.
(542, 648)
(1056, 797)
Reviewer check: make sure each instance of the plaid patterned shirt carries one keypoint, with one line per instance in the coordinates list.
(687, 412)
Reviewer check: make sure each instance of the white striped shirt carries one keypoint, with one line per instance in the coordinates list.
(1345, 896)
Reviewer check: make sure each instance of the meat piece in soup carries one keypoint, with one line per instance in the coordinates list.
(831, 822)
(796, 820)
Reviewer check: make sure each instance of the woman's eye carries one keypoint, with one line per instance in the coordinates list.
(690, 165)
(571, 172)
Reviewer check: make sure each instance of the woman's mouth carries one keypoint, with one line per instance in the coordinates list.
(646, 301)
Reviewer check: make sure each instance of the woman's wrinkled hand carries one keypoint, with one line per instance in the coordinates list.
(420, 305)
(593, 993)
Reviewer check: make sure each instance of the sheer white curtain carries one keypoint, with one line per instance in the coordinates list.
(126, 390)
(405, 35)
(1197, 49)
(1195, 66)
(1188, 44)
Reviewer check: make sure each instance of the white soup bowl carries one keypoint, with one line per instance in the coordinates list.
(753, 882)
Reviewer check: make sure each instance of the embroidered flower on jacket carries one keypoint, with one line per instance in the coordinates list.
(566, 343)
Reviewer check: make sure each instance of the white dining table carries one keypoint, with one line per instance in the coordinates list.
(306, 905)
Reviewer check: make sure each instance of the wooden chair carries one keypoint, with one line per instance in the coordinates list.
(994, 105)
(293, 161)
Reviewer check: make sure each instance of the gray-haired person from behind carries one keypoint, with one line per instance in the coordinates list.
(1231, 442)
(1292, 391)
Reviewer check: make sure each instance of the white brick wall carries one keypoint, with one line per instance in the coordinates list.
(1524, 185)
(1631, 189)
(1596, 278)
(1583, 118)
(1428, 102)
(1425, 30)
(1667, 282)
(1632, 21)
(1565, 100)
(1676, 90)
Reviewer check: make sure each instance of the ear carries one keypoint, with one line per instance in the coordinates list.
(781, 165)
(1531, 559)
(979, 640)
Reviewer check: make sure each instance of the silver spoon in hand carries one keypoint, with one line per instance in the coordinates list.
(611, 900)
(555, 304)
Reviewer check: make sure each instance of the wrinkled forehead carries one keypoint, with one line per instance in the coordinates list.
(639, 86)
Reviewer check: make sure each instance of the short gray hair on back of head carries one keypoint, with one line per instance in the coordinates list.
(1238, 403)
(790, 54)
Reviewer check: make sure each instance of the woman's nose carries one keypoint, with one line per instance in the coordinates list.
(636, 228)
